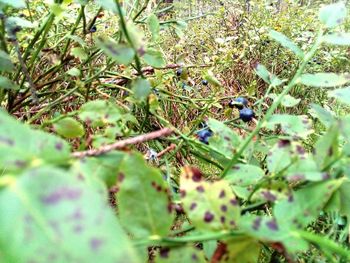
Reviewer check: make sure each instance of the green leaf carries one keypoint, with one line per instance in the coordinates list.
(99, 113)
(286, 42)
(325, 117)
(154, 27)
(185, 253)
(109, 5)
(240, 250)
(6, 64)
(21, 147)
(289, 101)
(209, 76)
(324, 80)
(79, 52)
(224, 139)
(49, 216)
(296, 126)
(14, 3)
(341, 39)
(342, 95)
(69, 128)
(267, 76)
(333, 15)
(143, 199)
(304, 205)
(75, 72)
(244, 175)
(141, 88)
(120, 53)
(5, 83)
(154, 58)
(326, 148)
(267, 229)
(340, 201)
(104, 168)
(211, 206)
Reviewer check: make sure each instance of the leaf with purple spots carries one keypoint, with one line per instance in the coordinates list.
(224, 139)
(244, 175)
(209, 205)
(295, 126)
(267, 229)
(304, 205)
(21, 146)
(47, 215)
(180, 254)
(144, 203)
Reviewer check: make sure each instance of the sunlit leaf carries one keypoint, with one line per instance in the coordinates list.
(297, 126)
(341, 39)
(333, 15)
(69, 128)
(342, 95)
(324, 80)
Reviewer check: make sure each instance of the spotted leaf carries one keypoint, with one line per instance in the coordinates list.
(47, 215)
(209, 205)
(185, 253)
(143, 198)
(21, 146)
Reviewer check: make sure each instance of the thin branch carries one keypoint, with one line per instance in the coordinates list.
(124, 143)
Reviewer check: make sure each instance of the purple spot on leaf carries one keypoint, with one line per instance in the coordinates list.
(272, 225)
(208, 217)
(223, 208)
(200, 189)
(63, 193)
(222, 219)
(257, 223)
(234, 202)
(59, 146)
(222, 194)
(164, 252)
(95, 243)
(193, 206)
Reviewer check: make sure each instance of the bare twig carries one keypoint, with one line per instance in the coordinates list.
(123, 143)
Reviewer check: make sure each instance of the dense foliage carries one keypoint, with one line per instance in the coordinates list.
(174, 131)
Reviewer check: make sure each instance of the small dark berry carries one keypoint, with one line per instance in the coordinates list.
(179, 72)
(204, 135)
(204, 82)
(246, 114)
(93, 29)
(242, 100)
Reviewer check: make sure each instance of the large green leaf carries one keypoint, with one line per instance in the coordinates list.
(333, 15)
(49, 216)
(21, 146)
(211, 206)
(325, 116)
(154, 27)
(141, 88)
(224, 139)
(144, 203)
(154, 58)
(296, 126)
(6, 64)
(324, 80)
(304, 205)
(343, 95)
(342, 39)
(100, 112)
(14, 3)
(267, 229)
(244, 175)
(121, 53)
(286, 42)
(69, 128)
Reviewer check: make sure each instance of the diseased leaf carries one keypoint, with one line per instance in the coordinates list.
(343, 95)
(144, 203)
(211, 206)
(185, 253)
(333, 15)
(324, 80)
(47, 215)
(325, 116)
(244, 175)
(296, 126)
(26, 147)
(121, 53)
